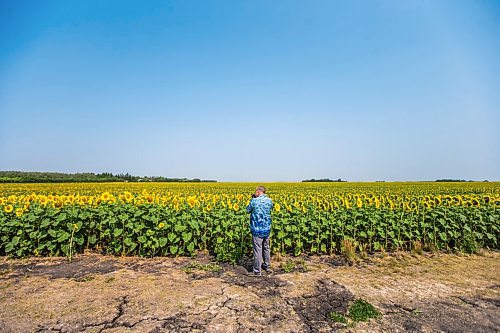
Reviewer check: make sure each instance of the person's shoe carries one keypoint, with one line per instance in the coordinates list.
(268, 270)
(254, 274)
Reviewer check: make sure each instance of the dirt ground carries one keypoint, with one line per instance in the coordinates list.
(95, 293)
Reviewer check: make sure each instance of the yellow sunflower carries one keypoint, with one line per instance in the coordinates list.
(105, 196)
(19, 212)
(359, 202)
(128, 196)
(191, 200)
(8, 208)
(43, 200)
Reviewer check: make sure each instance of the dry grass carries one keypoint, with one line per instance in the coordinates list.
(403, 278)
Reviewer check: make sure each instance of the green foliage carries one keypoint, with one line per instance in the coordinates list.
(291, 265)
(361, 310)
(173, 223)
(59, 177)
(124, 229)
(288, 266)
(210, 267)
(337, 317)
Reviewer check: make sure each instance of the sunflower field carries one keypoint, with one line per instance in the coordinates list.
(168, 219)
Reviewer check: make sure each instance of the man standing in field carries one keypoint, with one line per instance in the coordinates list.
(260, 225)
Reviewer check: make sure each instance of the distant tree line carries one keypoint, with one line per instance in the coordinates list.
(60, 177)
(456, 180)
(323, 180)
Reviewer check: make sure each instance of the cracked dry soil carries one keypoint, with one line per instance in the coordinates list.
(94, 293)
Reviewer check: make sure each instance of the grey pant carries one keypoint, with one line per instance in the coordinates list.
(261, 244)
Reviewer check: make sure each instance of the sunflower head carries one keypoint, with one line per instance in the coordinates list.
(161, 225)
(8, 208)
(128, 196)
(359, 203)
(19, 212)
(43, 200)
(191, 200)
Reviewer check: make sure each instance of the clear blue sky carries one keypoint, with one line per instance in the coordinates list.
(252, 90)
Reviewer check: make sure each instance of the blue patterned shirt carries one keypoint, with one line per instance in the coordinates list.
(260, 215)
